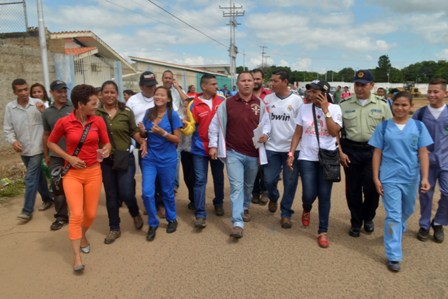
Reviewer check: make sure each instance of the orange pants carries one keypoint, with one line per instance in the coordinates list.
(82, 189)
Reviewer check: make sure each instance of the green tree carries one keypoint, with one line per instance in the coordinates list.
(382, 72)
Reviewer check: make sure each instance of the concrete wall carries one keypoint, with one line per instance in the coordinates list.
(19, 58)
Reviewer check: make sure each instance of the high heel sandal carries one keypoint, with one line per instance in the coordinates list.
(79, 268)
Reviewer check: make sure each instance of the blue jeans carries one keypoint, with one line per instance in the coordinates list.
(314, 185)
(166, 174)
(399, 204)
(34, 182)
(241, 171)
(200, 165)
(119, 184)
(277, 160)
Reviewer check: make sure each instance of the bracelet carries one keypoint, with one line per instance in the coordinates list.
(290, 154)
(164, 134)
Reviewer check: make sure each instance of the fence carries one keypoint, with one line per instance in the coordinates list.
(13, 16)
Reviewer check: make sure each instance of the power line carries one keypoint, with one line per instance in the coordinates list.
(191, 26)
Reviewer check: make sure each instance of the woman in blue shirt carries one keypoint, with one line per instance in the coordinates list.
(400, 164)
(161, 126)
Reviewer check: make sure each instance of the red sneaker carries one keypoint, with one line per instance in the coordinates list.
(322, 240)
(306, 216)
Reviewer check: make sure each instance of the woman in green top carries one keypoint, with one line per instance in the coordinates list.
(118, 180)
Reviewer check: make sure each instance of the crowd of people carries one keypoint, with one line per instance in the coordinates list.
(258, 136)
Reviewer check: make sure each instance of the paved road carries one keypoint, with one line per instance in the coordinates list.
(269, 262)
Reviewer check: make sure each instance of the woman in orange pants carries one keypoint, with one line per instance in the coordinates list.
(82, 183)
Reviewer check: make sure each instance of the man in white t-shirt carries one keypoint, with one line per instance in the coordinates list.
(143, 100)
(283, 106)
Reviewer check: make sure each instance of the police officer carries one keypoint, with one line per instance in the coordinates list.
(361, 113)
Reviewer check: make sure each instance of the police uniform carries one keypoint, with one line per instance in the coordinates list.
(359, 123)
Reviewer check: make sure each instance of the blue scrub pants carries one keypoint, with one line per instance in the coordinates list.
(166, 173)
(441, 217)
(399, 204)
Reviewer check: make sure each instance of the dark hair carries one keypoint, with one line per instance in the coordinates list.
(109, 82)
(190, 87)
(17, 82)
(403, 94)
(206, 77)
(284, 75)
(152, 112)
(81, 94)
(46, 98)
(167, 71)
(244, 72)
(129, 92)
(121, 105)
(380, 88)
(437, 81)
(258, 71)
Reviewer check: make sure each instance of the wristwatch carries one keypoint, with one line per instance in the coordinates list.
(328, 114)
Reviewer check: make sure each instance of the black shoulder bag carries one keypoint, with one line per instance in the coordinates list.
(329, 160)
(58, 172)
(120, 158)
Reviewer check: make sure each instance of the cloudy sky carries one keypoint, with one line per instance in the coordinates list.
(302, 34)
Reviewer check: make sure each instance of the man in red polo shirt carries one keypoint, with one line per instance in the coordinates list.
(230, 138)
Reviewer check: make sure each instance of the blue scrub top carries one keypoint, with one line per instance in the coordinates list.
(399, 162)
(159, 148)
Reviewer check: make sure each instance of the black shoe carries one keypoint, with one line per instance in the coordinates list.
(255, 199)
(57, 224)
(393, 266)
(438, 232)
(200, 223)
(151, 233)
(369, 226)
(191, 206)
(354, 232)
(219, 210)
(172, 226)
(423, 234)
(45, 205)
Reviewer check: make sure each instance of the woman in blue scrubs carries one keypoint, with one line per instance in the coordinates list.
(400, 165)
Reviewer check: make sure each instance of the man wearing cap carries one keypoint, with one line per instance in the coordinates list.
(143, 100)
(283, 106)
(59, 108)
(22, 126)
(361, 114)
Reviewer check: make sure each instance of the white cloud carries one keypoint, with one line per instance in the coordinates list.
(302, 64)
(412, 6)
(283, 62)
(443, 55)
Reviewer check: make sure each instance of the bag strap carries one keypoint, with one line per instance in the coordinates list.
(315, 125)
(170, 119)
(78, 148)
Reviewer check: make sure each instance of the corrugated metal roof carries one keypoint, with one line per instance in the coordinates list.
(173, 65)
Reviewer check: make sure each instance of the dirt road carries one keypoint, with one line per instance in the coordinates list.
(268, 262)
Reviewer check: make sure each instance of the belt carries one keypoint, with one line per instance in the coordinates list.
(355, 144)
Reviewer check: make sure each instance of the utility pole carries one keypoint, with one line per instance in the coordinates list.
(262, 55)
(232, 12)
(43, 44)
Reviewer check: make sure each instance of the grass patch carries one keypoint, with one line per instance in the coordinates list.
(13, 189)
